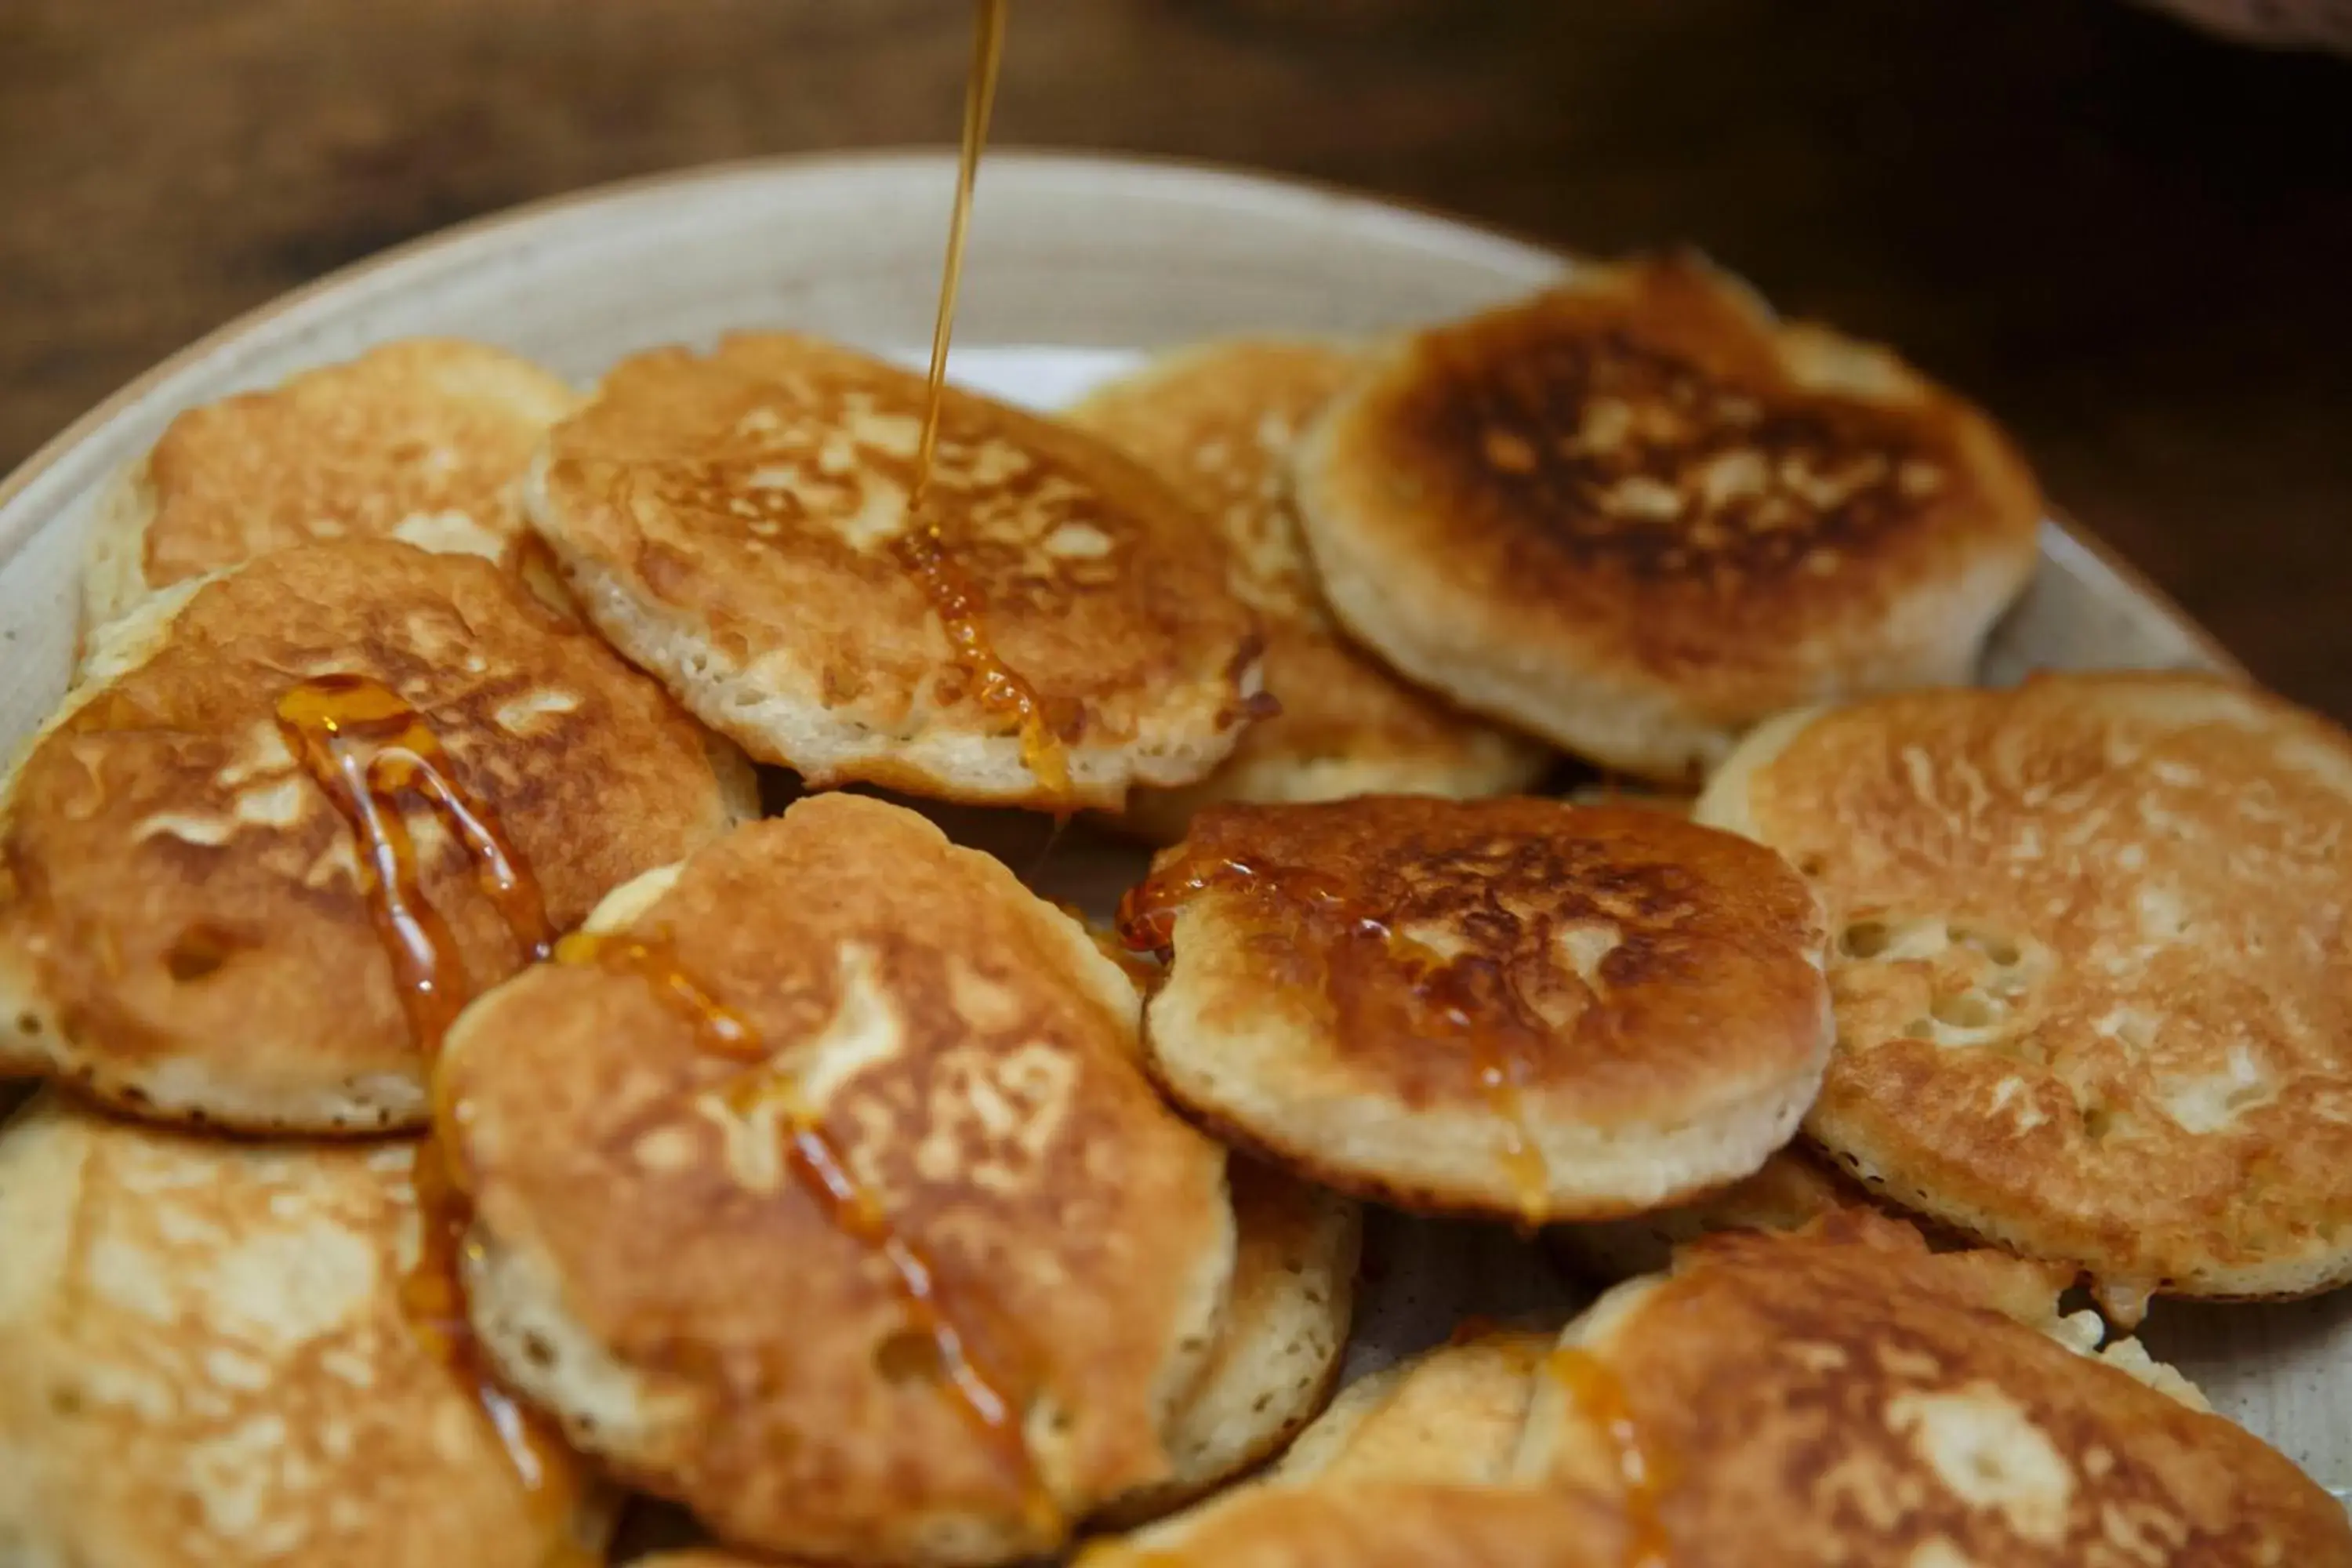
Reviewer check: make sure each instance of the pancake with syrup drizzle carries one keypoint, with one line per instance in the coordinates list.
(2091, 976)
(1053, 628)
(1280, 1342)
(1219, 420)
(817, 1189)
(1843, 1395)
(1511, 1007)
(204, 1360)
(187, 927)
(423, 441)
(1636, 515)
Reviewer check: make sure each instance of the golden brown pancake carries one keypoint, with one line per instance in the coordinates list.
(1843, 1395)
(1514, 1007)
(1409, 1465)
(1279, 1338)
(203, 1359)
(1383, 1524)
(1792, 1189)
(1636, 514)
(1454, 1414)
(187, 926)
(2091, 978)
(1219, 420)
(649, 1131)
(422, 440)
(738, 523)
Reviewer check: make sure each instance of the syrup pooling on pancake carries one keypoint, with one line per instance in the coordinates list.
(824, 1175)
(1599, 1395)
(1466, 1002)
(366, 749)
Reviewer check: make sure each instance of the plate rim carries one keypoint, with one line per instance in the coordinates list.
(52, 453)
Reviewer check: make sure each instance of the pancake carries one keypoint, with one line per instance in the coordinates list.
(2091, 977)
(1388, 1524)
(1452, 1414)
(186, 929)
(1793, 1188)
(1842, 1395)
(1408, 1466)
(203, 1359)
(1636, 514)
(824, 1196)
(1282, 1331)
(738, 523)
(1219, 420)
(1510, 1008)
(422, 440)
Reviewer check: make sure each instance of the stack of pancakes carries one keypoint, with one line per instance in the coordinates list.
(466, 1110)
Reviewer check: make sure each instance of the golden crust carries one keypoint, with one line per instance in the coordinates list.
(1844, 1396)
(421, 440)
(1219, 420)
(2091, 993)
(1636, 514)
(735, 522)
(1507, 1006)
(654, 1273)
(183, 927)
(203, 1361)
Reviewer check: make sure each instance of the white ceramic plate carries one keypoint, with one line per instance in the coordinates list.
(1077, 266)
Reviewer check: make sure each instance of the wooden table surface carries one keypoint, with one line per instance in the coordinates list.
(2134, 245)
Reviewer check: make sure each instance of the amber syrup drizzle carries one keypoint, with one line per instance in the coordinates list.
(1600, 1397)
(823, 1173)
(370, 752)
(1447, 1001)
(922, 550)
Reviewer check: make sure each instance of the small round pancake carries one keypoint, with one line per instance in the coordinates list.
(652, 1265)
(1279, 1343)
(1636, 514)
(1511, 1007)
(1219, 420)
(203, 1359)
(185, 925)
(2093, 992)
(1843, 1395)
(423, 441)
(1408, 1466)
(738, 523)
(1452, 1413)
(1794, 1188)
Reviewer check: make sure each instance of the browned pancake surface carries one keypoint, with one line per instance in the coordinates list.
(2091, 976)
(424, 439)
(1521, 962)
(1846, 1396)
(969, 1059)
(185, 922)
(739, 522)
(1641, 481)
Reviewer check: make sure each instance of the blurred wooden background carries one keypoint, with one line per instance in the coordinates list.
(2134, 244)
